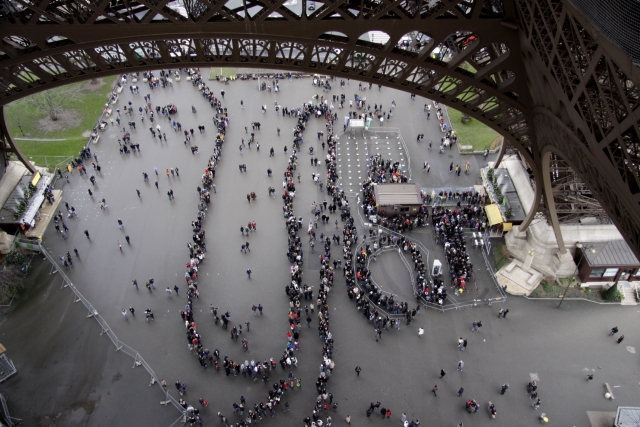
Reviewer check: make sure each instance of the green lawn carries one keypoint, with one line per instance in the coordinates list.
(475, 133)
(22, 120)
(222, 71)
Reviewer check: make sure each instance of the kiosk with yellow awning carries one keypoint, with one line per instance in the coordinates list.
(497, 226)
(493, 214)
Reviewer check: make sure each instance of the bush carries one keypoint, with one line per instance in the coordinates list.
(11, 282)
(548, 287)
(16, 258)
(612, 294)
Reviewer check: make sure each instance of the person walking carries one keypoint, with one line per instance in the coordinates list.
(434, 390)
(348, 419)
(504, 315)
(460, 365)
(135, 283)
(86, 233)
(169, 293)
(536, 405)
(133, 311)
(124, 313)
(504, 388)
(442, 373)
(176, 288)
(249, 273)
(620, 339)
(358, 370)
(120, 224)
(460, 392)
(420, 332)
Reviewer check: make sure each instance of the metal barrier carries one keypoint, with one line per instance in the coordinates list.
(6, 417)
(120, 346)
(492, 273)
(114, 89)
(404, 145)
(442, 308)
(59, 167)
(454, 303)
(391, 247)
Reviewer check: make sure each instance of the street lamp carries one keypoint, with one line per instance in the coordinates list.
(578, 246)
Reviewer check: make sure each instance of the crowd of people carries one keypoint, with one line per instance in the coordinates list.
(296, 290)
(449, 232)
(256, 370)
(383, 310)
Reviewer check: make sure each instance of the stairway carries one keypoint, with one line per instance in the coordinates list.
(629, 293)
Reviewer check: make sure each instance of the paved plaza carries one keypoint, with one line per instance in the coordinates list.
(363, 145)
(69, 375)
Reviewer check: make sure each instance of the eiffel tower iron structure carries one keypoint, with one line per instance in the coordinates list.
(551, 76)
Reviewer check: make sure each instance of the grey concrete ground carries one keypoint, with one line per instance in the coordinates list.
(363, 146)
(69, 375)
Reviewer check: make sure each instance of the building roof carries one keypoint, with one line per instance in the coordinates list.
(397, 194)
(493, 214)
(627, 416)
(613, 253)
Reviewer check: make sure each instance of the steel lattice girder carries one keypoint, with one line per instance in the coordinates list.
(534, 70)
(572, 197)
(586, 101)
(477, 72)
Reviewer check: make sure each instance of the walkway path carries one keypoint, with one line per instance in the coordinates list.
(67, 370)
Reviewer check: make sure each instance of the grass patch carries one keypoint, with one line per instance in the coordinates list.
(222, 71)
(22, 120)
(468, 67)
(475, 133)
(500, 255)
(549, 287)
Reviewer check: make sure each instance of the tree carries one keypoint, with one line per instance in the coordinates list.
(50, 102)
(11, 282)
(12, 274)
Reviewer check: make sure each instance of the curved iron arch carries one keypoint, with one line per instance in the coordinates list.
(493, 76)
(457, 87)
